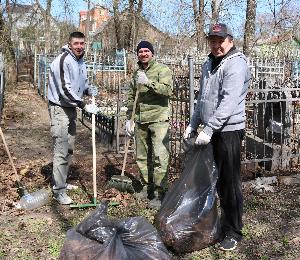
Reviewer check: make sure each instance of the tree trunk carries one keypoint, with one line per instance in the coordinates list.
(214, 11)
(48, 26)
(47, 23)
(117, 23)
(6, 45)
(199, 24)
(138, 16)
(130, 28)
(249, 35)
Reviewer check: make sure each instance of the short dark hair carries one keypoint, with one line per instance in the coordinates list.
(76, 35)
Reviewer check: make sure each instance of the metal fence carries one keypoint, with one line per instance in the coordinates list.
(272, 107)
(272, 129)
(42, 73)
(109, 74)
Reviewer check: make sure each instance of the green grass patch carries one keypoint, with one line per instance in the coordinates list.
(54, 245)
(285, 240)
(246, 232)
(2, 253)
(37, 226)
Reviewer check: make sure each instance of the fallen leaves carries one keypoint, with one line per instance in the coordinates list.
(114, 195)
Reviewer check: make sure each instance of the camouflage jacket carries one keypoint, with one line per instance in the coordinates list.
(153, 99)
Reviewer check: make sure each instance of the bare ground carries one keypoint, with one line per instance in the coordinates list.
(271, 220)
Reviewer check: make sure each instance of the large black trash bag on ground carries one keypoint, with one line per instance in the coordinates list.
(98, 237)
(188, 218)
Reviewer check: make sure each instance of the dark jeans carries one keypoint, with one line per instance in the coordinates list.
(227, 154)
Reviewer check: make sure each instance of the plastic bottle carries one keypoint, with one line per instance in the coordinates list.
(33, 200)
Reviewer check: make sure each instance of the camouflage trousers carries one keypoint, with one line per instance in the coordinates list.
(152, 152)
(63, 130)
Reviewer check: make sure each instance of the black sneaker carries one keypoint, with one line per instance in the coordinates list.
(228, 244)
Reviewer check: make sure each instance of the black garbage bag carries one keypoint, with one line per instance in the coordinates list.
(188, 218)
(98, 237)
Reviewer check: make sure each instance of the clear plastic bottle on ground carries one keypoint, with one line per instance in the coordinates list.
(33, 200)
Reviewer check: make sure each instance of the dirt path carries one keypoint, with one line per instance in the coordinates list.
(271, 220)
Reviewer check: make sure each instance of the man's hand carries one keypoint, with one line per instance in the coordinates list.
(202, 139)
(92, 90)
(129, 127)
(142, 78)
(188, 132)
(91, 108)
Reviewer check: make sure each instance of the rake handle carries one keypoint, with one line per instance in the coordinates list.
(9, 156)
(94, 153)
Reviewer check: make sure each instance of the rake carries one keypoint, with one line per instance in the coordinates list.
(94, 199)
(122, 182)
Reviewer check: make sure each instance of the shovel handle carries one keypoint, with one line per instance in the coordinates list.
(9, 156)
(125, 155)
(128, 139)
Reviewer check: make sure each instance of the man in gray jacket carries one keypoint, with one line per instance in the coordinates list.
(67, 84)
(221, 110)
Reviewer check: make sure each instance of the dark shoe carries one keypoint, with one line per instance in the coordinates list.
(63, 198)
(143, 194)
(228, 244)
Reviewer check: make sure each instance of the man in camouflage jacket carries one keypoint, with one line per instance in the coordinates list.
(153, 81)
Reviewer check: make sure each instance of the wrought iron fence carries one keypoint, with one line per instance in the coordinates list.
(107, 76)
(272, 108)
(272, 127)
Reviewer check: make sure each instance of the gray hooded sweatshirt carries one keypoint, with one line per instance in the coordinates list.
(221, 100)
(67, 80)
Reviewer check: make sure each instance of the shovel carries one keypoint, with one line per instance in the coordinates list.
(122, 182)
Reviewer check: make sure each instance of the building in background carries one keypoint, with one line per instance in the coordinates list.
(106, 34)
(97, 16)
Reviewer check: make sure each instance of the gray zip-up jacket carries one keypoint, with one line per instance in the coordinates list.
(67, 80)
(221, 100)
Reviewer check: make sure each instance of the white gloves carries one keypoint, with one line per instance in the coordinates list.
(188, 131)
(129, 127)
(202, 139)
(142, 78)
(91, 108)
(92, 90)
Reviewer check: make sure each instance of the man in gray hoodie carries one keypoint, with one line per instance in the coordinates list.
(221, 110)
(68, 83)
